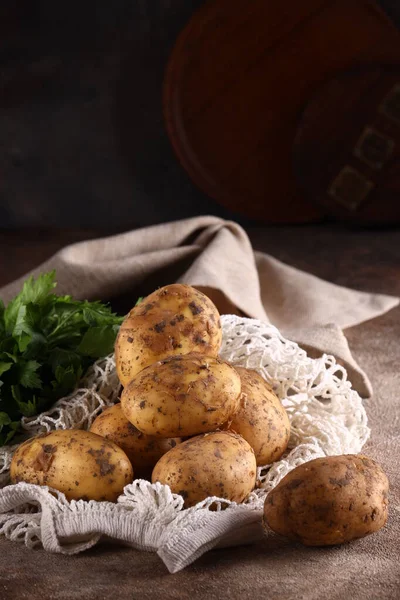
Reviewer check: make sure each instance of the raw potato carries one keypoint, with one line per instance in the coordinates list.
(182, 396)
(78, 463)
(218, 464)
(261, 419)
(329, 501)
(176, 319)
(142, 450)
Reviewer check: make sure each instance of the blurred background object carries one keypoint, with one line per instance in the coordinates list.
(347, 148)
(237, 82)
(82, 135)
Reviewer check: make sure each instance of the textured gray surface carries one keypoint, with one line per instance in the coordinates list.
(368, 569)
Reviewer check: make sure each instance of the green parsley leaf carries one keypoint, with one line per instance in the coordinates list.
(4, 420)
(98, 341)
(64, 357)
(66, 378)
(37, 291)
(5, 366)
(33, 291)
(9, 426)
(13, 428)
(28, 376)
(46, 343)
(11, 314)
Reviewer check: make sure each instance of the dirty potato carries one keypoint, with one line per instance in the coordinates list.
(182, 396)
(78, 463)
(261, 419)
(218, 464)
(142, 450)
(176, 319)
(329, 501)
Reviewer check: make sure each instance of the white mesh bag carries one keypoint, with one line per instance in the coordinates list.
(327, 418)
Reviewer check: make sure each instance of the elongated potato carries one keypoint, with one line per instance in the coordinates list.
(182, 396)
(261, 418)
(329, 501)
(176, 319)
(142, 450)
(218, 464)
(78, 463)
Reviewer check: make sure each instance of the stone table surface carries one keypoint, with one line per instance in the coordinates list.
(274, 568)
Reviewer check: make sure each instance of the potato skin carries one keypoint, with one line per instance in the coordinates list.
(215, 464)
(329, 501)
(261, 419)
(142, 450)
(78, 463)
(182, 396)
(176, 319)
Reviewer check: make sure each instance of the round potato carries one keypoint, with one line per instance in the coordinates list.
(176, 319)
(182, 396)
(142, 450)
(329, 501)
(78, 463)
(261, 419)
(218, 464)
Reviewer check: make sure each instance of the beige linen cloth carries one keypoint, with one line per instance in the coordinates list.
(217, 256)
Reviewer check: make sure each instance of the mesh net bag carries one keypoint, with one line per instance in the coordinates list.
(327, 418)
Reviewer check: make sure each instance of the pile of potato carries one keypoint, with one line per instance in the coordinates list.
(191, 420)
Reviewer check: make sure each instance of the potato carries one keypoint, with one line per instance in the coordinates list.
(176, 319)
(142, 450)
(182, 396)
(329, 501)
(261, 419)
(215, 464)
(78, 463)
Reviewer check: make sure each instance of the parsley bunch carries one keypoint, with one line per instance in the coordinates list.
(46, 344)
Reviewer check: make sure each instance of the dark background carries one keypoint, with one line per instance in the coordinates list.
(82, 141)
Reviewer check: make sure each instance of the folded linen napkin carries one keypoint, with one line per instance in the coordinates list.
(216, 256)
